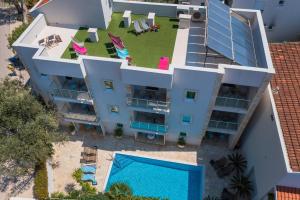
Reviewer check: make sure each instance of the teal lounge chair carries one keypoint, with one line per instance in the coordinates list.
(89, 177)
(88, 169)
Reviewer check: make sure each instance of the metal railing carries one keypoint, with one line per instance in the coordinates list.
(223, 125)
(151, 104)
(149, 126)
(71, 94)
(232, 102)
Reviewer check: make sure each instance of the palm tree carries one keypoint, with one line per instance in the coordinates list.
(238, 162)
(242, 186)
(118, 190)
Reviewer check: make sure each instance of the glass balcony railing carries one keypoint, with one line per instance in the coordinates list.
(80, 116)
(149, 104)
(149, 127)
(232, 102)
(78, 95)
(223, 125)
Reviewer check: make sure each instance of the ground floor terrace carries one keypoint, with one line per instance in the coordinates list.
(68, 157)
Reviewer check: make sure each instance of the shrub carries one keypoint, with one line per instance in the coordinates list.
(77, 175)
(40, 188)
(30, 3)
(181, 141)
(16, 34)
(119, 190)
(118, 131)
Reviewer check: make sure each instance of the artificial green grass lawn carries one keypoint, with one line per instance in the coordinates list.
(145, 49)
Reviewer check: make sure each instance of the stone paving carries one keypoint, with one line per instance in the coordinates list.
(68, 156)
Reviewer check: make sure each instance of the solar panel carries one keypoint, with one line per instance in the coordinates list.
(228, 35)
(218, 28)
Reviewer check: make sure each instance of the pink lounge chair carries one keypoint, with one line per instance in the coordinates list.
(118, 43)
(163, 63)
(78, 49)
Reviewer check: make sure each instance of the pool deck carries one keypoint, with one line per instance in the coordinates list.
(68, 157)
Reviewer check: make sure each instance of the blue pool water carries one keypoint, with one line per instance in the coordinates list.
(157, 178)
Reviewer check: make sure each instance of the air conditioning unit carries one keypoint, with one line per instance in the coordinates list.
(197, 15)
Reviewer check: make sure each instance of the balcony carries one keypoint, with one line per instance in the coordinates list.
(223, 125)
(154, 105)
(71, 90)
(234, 98)
(224, 122)
(81, 113)
(149, 127)
(232, 102)
(152, 122)
(151, 98)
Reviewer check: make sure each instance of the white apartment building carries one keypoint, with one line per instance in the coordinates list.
(219, 70)
(281, 17)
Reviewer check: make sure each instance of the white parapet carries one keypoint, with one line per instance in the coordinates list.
(184, 21)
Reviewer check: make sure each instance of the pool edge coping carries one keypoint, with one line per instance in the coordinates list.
(155, 158)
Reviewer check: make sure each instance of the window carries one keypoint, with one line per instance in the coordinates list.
(108, 85)
(114, 109)
(186, 119)
(281, 3)
(44, 75)
(190, 95)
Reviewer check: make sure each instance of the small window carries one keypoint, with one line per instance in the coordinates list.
(114, 109)
(281, 3)
(186, 119)
(108, 85)
(190, 95)
(44, 75)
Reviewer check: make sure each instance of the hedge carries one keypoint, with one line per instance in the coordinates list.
(16, 34)
(40, 188)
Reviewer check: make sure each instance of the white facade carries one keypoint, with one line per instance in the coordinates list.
(280, 17)
(188, 74)
(265, 150)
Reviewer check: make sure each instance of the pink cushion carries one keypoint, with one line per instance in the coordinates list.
(78, 49)
(163, 63)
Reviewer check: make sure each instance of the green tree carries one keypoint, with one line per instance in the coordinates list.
(27, 130)
(16, 34)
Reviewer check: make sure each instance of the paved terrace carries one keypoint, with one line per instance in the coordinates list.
(68, 156)
(145, 49)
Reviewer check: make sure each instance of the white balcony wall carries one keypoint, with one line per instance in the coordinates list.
(147, 77)
(143, 8)
(91, 13)
(205, 83)
(262, 146)
(58, 67)
(241, 75)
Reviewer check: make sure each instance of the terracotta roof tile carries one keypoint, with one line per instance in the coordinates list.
(286, 60)
(42, 3)
(287, 193)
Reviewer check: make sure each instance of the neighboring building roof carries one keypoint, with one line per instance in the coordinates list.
(42, 3)
(287, 193)
(286, 60)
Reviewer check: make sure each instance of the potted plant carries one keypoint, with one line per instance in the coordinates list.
(181, 142)
(242, 186)
(118, 132)
(238, 162)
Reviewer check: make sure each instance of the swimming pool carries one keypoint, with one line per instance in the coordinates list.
(157, 178)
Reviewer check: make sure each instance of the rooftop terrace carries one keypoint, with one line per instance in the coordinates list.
(145, 49)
